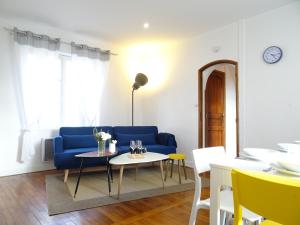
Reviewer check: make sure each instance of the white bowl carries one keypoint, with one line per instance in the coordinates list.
(291, 163)
(289, 147)
(263, 154)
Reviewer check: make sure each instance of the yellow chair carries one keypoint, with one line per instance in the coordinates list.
(276, 198)
(179, 157)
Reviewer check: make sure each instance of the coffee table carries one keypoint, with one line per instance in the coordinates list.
(95, 154)
(125, 159)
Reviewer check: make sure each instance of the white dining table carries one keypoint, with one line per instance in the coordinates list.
(220, 176)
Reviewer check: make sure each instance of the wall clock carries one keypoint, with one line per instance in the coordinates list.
(272, 54)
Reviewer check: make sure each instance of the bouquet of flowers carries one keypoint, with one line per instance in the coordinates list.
(101, 137)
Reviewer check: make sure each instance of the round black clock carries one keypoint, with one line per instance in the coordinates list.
(272, 54)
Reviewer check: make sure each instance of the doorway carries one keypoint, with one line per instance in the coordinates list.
(215, 109)
(218, 123)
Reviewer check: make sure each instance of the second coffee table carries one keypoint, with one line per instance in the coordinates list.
(125, 159)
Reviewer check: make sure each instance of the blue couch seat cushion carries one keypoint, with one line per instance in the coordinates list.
(163, 149)
(124, 139)
(151, 148)
(67, 160)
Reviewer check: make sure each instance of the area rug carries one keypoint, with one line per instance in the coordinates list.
(93, 189)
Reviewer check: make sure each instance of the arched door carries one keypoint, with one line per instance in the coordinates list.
(215, 109)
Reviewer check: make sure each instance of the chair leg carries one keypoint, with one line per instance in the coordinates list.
(184, 170)
(194, 212)
(222, 217)
(179, 176)
(228, 218)
(66, 176)
(166, 172)
(172, 167)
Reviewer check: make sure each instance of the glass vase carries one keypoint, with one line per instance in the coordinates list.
(101, 147)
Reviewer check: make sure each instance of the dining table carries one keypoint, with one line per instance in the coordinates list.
(220, 177)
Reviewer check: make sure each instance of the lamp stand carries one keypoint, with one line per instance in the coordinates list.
(132, 107)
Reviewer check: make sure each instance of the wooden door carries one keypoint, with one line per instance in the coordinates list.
(215, 109)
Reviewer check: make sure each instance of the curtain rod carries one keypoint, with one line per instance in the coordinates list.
(64, 42)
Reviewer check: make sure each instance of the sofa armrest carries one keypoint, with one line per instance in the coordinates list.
(58, 145)
(167, 139)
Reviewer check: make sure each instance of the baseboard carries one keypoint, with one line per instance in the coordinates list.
(29, 169)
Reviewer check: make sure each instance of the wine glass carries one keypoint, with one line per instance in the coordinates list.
(139, 145)
(132, 146)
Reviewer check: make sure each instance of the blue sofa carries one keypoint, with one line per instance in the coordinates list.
(76, 140)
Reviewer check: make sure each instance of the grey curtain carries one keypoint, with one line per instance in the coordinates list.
(36, 40)
(89, 52)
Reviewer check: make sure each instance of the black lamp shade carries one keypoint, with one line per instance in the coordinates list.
(140, 80)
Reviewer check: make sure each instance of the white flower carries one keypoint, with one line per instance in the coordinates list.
(114, 141)
(103, 136)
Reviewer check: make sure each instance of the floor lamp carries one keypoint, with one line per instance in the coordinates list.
(140, 80)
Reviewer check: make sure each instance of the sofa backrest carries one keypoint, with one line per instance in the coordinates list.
(147, 134)
(80, 137)
(83, 130)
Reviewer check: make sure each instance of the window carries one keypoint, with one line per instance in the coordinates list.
(59, 90)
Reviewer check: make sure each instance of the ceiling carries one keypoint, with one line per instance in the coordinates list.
(122, 20)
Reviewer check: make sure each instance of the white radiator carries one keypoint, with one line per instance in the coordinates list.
(47, 149)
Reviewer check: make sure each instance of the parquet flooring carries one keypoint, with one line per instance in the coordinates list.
(23, 201)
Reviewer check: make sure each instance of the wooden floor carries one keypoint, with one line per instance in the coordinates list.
(23, 201)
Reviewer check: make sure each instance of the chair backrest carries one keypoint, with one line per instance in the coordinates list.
(204, 156)
(276, 198)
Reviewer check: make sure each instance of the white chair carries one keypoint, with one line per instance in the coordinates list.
(202, 159)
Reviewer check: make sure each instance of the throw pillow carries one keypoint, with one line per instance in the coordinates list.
(79, 141)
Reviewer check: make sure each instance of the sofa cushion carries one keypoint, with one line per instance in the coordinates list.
(123, 149)
(151, 148)
(124, 139)
(79, 141)
(67, 160)
(161, 149)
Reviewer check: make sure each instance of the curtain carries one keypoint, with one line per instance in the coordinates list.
(37, 74)
(53, 89)
(83, 84)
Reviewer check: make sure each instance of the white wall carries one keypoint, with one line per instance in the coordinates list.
(173, 108)
(272, 104)
(269, 97)
(231, 137)
(114, 110)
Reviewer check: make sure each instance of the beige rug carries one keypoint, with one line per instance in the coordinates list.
(93, 189)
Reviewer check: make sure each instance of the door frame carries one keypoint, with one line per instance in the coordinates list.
(200, 99)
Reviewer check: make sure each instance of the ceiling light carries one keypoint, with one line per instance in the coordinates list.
(146, 25)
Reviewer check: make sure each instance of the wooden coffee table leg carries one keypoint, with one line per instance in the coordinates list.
(120, 180)
(162, 173)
